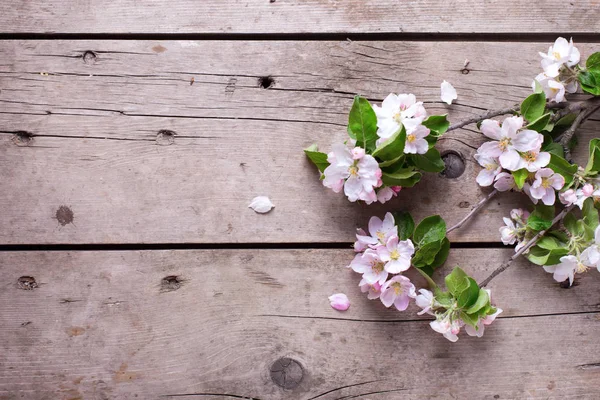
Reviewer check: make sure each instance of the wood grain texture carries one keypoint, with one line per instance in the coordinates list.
(100, 113)
(100, 325)
(298, 16)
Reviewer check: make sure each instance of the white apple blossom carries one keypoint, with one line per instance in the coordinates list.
(566, 269)
(371, 266)
(373, 290)
(358, 177)
(491, 169)
(397, 111)
(510, 232)
(381, 230)
(398, 291)
(559, 54)
(339, 301)
(426, 301)
(481, 323)
(508, 141)
(505, 182)
(591, 255)
(545, 184)
(415, 140)
(448, 93)
(447, 327)
(553, 89)
(533, 160)
(396, 254)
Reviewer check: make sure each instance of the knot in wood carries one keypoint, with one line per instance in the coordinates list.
(455, 165)
(89, 57)
(26, 283)
(287, 373)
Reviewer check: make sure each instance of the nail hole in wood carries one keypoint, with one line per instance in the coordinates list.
(465, 71)
(89, 57)
(165, 137)
(26, 283)
(170, 283)
(266, 82)
(64, 215)
(22, 138)
(455, 165)
(287, 373)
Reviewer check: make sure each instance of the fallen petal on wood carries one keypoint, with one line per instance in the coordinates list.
(261, 204)
(339, 301)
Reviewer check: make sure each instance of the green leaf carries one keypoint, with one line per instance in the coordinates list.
(437, 124)
(393, 147)
(430, 229)
(405, 223)
(570, 222)
(540, 256)
(593, 165)
(593, 61)
(444, 298)
(590, 213)
(442, 255)
(563, 124)
(406, 177)
(541, 217)
(428, 162)
(590, 81)
(362, 123)
(318, 158)
(457, 281)
(533, 106)
(540, 123)
(426, 253)
(398, 161)
(554, 148)
(483, 300)
(520, 177)
(563, 167)
(469, 296)
(550, 243)
(469, 319)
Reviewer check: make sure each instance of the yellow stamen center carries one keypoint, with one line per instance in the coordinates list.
(556, 55)
(394, 255)
(581, 268)
(380, 235)
(411, 138)
(545, 183)
(530, 156)
(377, 267)
(397, 288)
(504, 143)
(490, 167)
(353, 171)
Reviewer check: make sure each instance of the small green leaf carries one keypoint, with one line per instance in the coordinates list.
(362, 123)
(593, 61)
(590, 81)
(541, 217)
(533, 106)
(457, 281)
(593, 165)
(469, 296)
(540, 256)
(470, 320)
(562, 167)
(444, 298)
(430, 229)
(550, 243)
(398, 161)
(393, 148)
(405, 223)
(570, 222)
(426, 253)
(428, 162)
(318, 158)
(590, 213)
(554, 148)
(406, 177)
(437, 124)
(540, 123)
(520, 177)
(483, 300)
(442, 255)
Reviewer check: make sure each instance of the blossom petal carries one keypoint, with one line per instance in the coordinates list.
(261, 204)
(448, 93)
(339, 301)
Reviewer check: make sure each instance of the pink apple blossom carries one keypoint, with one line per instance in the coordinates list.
(447, 327)
(339, 301)
(534, 160)
(397, 111)
(578, 196)
(415, 140)
(396, 254)
(425, 301)
(481, 324)
(362, 241)
(491, 169)
(545, 184)
(373, 290)
(385, 194)
(504, 182)
(371, 266)
(359, 178)
(381, 231)
(508, 141)
(397, 291)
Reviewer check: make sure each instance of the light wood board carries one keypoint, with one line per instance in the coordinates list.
(99, 326)
(97, 149)
(299, 16)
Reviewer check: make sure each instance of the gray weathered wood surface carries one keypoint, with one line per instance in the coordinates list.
(101, 326)
(299, 16)
(96, 110)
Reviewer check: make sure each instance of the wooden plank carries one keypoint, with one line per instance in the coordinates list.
(298, 16)
(99, 153)
(101, 325)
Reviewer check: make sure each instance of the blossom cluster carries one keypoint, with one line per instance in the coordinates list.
(589, 190)
(514, 148)
(559, 70)
(383, 254)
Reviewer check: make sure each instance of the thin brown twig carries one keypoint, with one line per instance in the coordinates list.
(527, 246)
(471, 213)
(489, 114)
(566, 137)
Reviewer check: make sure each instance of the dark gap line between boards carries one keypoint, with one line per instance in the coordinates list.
(324, 36)
(208, 246)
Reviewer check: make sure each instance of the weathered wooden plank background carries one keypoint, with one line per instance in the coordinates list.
(153, 124)
(299, 16)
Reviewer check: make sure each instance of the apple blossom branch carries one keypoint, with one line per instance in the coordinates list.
(489, 114)
(474, 211)
(586, 110)
(526, 247)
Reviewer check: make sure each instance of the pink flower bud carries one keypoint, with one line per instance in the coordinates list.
(339, 301)
(587, 190)
(358, 153)
(396, 188)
